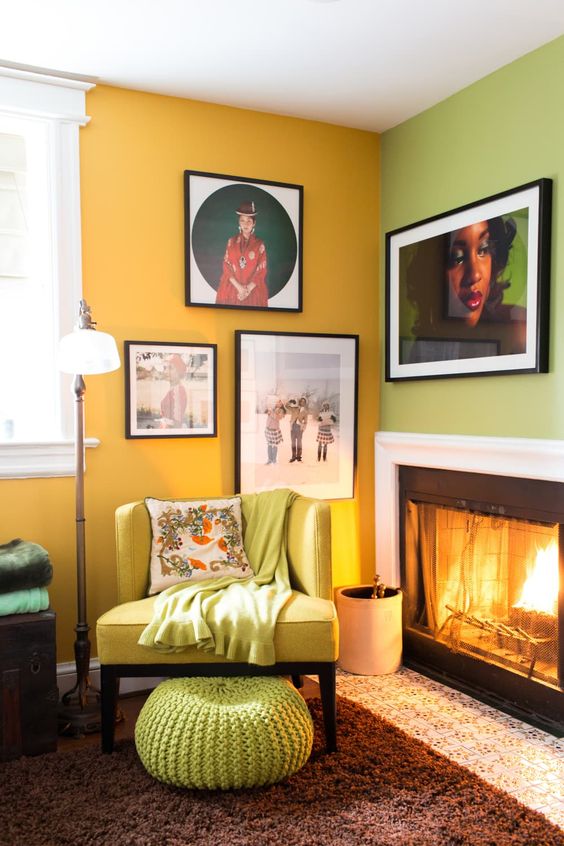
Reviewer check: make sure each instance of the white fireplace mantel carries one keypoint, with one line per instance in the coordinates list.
(526, 458)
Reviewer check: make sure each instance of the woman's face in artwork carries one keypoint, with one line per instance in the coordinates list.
(469, 272)
(173, 375)
(246, 225)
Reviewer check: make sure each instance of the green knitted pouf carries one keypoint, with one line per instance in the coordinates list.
(224, 732)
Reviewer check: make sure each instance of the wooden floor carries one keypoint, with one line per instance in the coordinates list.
(130, 707)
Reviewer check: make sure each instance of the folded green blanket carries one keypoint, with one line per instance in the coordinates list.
(227, 616)
(24, 601)
(23, 565)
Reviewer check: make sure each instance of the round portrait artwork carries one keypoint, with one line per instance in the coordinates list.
(218, 220)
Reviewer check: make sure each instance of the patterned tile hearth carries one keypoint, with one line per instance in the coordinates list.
(522, 760)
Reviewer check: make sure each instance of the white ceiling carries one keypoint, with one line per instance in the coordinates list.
(369, 64)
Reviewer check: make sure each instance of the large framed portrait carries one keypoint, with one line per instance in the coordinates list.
(467, 292)
(296, 413)
(243, 242)
(170, 390)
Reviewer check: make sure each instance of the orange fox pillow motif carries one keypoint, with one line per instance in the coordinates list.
(195, 540)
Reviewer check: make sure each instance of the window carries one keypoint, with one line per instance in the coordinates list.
(27, 286)
(40, 267)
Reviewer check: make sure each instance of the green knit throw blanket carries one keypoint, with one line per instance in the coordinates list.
(231, 617)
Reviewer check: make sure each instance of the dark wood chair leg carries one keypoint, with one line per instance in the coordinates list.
(328, 690)
(109, 688)
(298, 681)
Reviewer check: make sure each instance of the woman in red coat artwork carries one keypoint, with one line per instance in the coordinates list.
(173, 404)
(243, 280)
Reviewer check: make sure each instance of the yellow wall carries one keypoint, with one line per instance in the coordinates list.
(133, 154)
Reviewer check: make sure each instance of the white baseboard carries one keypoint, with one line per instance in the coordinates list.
(66, 679)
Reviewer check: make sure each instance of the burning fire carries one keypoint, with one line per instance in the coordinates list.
(540, 591)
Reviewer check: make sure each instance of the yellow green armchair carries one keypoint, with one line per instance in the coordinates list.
(306, 637)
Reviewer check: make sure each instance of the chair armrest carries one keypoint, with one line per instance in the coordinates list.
(309, 547)
(133, 550)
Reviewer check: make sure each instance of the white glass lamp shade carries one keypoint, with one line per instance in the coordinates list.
(87, 351)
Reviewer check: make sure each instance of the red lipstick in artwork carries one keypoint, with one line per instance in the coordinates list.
(473, 300)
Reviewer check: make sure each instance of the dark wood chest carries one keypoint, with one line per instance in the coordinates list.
(28, 685)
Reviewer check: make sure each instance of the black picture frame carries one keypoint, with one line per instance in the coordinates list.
(224, 271)
(170, 389)
(318, 372)
(467, 291)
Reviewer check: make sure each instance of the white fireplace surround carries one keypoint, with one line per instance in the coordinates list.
(526, 458)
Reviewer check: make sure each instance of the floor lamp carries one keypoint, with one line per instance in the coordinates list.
(83, 353)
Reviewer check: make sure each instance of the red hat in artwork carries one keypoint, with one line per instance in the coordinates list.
(247, 209)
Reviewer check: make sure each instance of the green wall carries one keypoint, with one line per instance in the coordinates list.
(503, 131)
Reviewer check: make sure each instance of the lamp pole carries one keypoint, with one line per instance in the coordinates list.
(85, 350)
(79, 712)
(82, 642)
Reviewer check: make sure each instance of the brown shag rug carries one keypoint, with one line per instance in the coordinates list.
(382, 787)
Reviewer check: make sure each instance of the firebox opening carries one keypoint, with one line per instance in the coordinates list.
(484, 585)
(482, 573)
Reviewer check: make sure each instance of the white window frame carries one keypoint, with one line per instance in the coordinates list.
(61, 102)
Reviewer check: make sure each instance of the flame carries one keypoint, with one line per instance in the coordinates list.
(540, 591)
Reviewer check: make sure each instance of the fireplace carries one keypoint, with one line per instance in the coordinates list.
(480, 557)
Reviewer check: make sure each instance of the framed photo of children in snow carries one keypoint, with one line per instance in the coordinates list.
(467, 291)
(296, 413)
(170, 390)
(243, 242)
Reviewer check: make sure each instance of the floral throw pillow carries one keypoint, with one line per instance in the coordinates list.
(195, 540)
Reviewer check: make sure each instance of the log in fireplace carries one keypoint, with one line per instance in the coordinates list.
(482, 571)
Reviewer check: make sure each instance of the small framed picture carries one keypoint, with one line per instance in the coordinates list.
(467, 291)
(296, 413)
(243, 242)
(170, 390)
